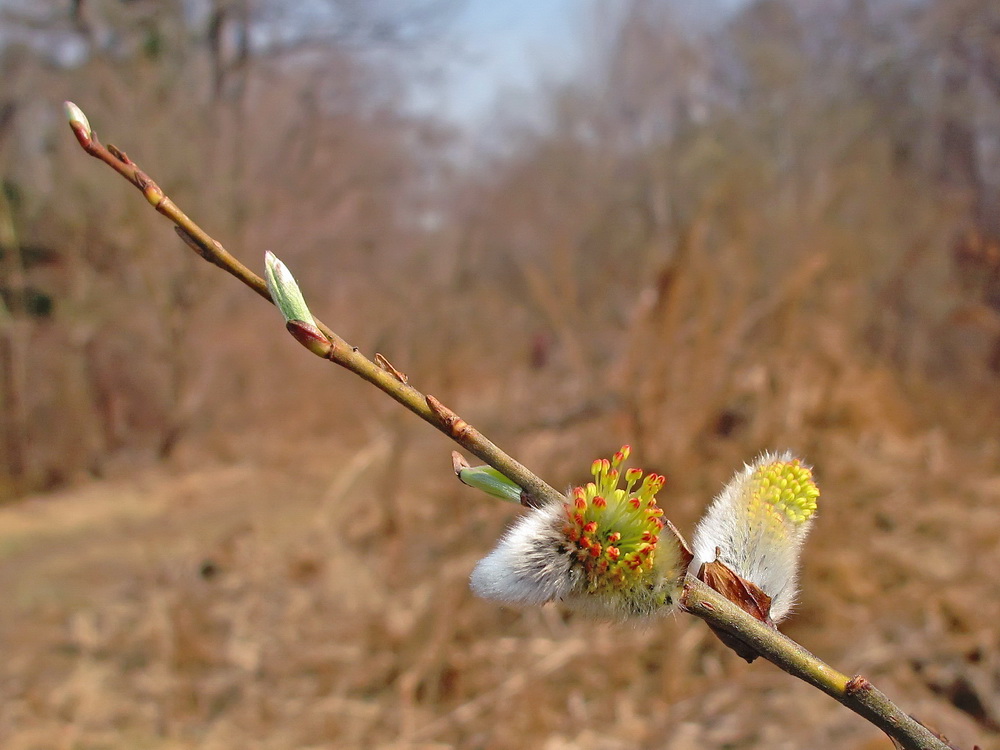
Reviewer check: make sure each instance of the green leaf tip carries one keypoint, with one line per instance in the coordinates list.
(492, 482)
(285, 291)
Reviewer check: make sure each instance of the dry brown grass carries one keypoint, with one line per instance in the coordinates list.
(317, 598)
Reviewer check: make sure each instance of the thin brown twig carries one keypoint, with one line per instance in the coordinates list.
(698, 599)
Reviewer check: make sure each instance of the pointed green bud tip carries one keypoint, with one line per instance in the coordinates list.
(76, 117)
(492, 482)
(285, 291)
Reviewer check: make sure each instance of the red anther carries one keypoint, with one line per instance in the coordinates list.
(600, 502)
(590, 527)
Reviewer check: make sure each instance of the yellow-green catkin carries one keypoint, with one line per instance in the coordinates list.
(757, 524)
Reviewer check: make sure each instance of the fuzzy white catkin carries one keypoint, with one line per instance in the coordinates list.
(754, 549)
(531, 565)
(535, 563)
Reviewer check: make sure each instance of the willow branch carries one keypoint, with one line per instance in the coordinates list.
(383, 376)
(856, 693)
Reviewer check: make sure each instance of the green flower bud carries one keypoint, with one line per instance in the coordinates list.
(285, 291)
(76, 118)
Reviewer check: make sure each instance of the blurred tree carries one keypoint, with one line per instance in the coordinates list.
(719, 190)
(272, 119)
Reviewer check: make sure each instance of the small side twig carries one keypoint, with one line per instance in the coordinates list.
(856, 693)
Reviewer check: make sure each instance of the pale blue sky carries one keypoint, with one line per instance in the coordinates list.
(514, 44)
(509, 44)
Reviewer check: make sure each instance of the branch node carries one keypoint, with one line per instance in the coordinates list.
(386, 365)
(856, 685)
(119, 155)
(192, 243)
(530, 501)
(457, 427)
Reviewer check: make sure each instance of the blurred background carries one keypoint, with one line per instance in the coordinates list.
(705, 229)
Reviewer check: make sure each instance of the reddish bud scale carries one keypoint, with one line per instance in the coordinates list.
(310, 337)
